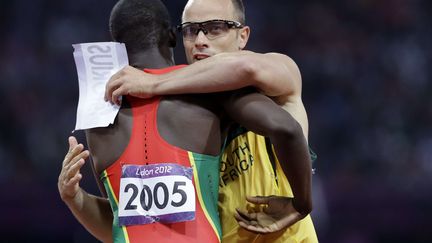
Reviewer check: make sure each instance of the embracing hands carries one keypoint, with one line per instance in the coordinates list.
(129, 81)
(278, 213)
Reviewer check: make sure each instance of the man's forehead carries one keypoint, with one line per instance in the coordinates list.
(203, 10)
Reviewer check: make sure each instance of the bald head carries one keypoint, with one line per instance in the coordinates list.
(203, 10)
(239, 11)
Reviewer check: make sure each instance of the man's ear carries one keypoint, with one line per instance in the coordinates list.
(172, 37)
(244, 37)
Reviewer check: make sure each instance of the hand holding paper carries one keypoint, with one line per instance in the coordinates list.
(96, 63)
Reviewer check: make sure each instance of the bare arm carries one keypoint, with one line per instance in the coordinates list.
(261, 115)
(93, 212)
(272, 73)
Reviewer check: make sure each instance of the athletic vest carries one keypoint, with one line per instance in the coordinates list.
(246, 169)
(152, 174)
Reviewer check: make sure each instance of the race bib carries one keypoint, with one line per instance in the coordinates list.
(156, 193)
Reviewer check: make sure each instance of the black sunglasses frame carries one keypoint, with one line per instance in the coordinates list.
(231, 25)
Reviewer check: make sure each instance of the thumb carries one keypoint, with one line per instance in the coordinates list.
(72, 143)
(258, 199)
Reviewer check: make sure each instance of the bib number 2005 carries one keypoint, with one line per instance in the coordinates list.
(160, 196)
(151, 194)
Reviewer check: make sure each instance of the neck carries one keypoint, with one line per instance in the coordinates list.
(151, 58)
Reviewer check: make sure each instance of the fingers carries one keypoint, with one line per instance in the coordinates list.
(115, 90)
(115, 83)
(72, 153)
(258, 226)
(244, 216)
(244, 219)
(240, 218)
(72, 142)
(259, 199)
(116, 94)
(81, 156)
(276, 215)
(70, 174)
(247, 219)
(128, 81)
(255, 228)
(117, 75)
(251, 222)
(112, 86)
(74, 180)
(74, 168)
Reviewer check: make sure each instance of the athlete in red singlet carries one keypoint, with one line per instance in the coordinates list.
(149, 159)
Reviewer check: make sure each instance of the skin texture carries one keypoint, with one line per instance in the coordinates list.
(201, 47)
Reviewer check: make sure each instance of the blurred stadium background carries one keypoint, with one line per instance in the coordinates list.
(366, 69)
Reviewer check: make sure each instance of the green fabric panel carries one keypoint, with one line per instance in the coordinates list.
(208, 176)
(117, 231)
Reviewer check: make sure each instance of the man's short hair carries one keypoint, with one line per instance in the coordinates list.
(140, 24)
(240, 10)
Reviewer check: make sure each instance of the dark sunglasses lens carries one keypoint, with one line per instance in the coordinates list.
(212, 29)
(216, 28)
(189, 30)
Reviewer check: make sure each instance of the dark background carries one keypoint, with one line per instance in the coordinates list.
(366, 68)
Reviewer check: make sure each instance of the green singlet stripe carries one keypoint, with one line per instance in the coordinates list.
(207, 171)
(119, 233)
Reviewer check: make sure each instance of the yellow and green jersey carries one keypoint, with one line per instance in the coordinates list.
(249, 168)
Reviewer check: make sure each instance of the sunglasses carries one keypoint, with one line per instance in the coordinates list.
(212, 28)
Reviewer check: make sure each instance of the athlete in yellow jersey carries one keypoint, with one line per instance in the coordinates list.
(249, 167)
(219, 63)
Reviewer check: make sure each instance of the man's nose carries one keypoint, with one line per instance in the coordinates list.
(201, 40)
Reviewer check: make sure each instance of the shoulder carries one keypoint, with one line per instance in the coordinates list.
(275, 56)
(106, 144)
(284, 60)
